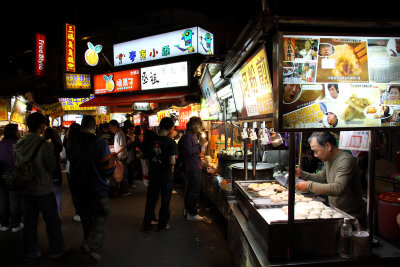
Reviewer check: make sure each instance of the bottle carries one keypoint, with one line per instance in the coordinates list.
(346, 246)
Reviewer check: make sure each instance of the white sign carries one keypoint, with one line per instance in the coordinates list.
(354, 140)
(178, 43)
(153, 120)
(164, 76)
(141, 106)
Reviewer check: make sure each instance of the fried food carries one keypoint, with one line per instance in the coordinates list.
(355, 109)
(346, 61)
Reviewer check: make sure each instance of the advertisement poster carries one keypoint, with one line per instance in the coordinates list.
(54, 110)
(74, 103)
(254, 81)
(164, 76)
(353, 81)
(117, 82)
(210, 94)
(77, 81)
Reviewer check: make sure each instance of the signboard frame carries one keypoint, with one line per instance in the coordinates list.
(279, 83)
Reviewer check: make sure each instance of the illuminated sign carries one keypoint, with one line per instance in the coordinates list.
(92, 54)
(252, 86)
(18, 112)
(141, 106)
(178, 43)
(340, 81)
(164, 76)
(136, 119)
(54, 110)
(3, 109)
(40, 60)
(102, 118)
(209, 94)
(77, 81)
(117, 82)
(70, 48)
(153, 120)
(74, 103)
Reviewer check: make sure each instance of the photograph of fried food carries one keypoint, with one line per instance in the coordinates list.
(355, 108)
(346, 61)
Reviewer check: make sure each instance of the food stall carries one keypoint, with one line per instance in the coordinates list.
(341, 84)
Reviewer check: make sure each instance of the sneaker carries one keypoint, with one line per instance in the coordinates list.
(174, 192)
(167, 227)
(154, 222)
(4, 228)
(195, 218)
(77, 218)
(18, 228)
(93, 255)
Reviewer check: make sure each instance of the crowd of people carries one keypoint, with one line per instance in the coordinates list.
(89, 154)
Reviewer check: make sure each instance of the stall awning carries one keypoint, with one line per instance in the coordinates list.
(114, 100)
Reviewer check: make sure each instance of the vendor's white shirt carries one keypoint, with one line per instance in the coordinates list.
(119, 141)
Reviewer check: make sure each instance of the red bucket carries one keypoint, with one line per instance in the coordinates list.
(387, 210)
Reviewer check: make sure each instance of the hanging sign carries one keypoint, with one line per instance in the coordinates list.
(178, 43)
(92, 54)
(18, 112)
(164, 76)
(77, 81)
(117, 82)
(141, 106)
(40, 60)
(54, 110)
(70, 48)
(102, 118)
(153, 120)
(74, 103)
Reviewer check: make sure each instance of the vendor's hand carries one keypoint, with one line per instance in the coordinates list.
(113, 154)
(302, 186)
(299, 172)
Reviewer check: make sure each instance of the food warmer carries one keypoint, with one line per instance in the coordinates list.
(313, 235)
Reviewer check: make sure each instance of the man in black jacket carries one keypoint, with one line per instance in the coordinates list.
(89, 157)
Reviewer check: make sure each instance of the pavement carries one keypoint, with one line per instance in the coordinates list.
(185, 244)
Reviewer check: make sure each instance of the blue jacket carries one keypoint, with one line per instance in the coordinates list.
(90, 166)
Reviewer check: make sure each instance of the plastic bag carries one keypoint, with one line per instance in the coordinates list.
(119, 171)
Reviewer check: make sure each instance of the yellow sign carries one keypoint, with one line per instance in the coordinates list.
(101, 118)
(305, 117)
(3, 110)
(162, 114)
(18, 113)
(54, 110)
(74, 103)
(77, 81)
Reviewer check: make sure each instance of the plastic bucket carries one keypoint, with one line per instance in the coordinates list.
(388, 207)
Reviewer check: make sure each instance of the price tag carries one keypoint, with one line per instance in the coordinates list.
(253, 135)
(245, 135)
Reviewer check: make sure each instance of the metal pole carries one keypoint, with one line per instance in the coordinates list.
(291, 188)
(245, 159)
(226, 127)
(371, 185)
(254, 158)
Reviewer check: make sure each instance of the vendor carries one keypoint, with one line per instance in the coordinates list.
(339, 178)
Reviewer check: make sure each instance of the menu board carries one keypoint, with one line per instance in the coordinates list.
(340, 82)
(252, 87)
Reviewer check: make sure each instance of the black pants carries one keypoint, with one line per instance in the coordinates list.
(47, 205)
(94, 213)
(192, 191)
(10, 206)
(158, 184)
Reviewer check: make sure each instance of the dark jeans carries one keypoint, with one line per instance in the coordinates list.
(124, 185)
(192, 191)
(47, 205)
(157, 184)
(10, 206)
(94, 214)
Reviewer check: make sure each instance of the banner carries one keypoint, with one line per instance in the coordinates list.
(70, 48)
(18, 112)
(3, 110)
(40, 60)
(54, 110)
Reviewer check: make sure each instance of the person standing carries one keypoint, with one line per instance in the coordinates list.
(339, 178)
(190, 146)
(121, 153)
(90, 166)
(52, 136)
(10, 201)
(161, 153)
(39, 197)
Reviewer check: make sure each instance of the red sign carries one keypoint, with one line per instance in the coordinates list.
(40, 60)
(70, 35)
(136, 119)
(117, 82)
(184, 117)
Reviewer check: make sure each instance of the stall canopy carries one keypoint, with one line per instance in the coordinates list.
(112, 100)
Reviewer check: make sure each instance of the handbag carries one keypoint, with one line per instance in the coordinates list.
(22, 175)
(119, 171)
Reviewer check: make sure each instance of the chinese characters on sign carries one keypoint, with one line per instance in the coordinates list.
(117, 82)
(40, 62)
(77, 81)
(172, 44)
(18, 112)
(3, 110)
(70, 35)
(74, 103)
(164, 76)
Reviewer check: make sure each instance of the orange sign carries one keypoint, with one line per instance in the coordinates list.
(70, 36)
(3, 110)
(117, 82)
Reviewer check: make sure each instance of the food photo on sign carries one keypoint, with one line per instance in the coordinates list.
(384, 60)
